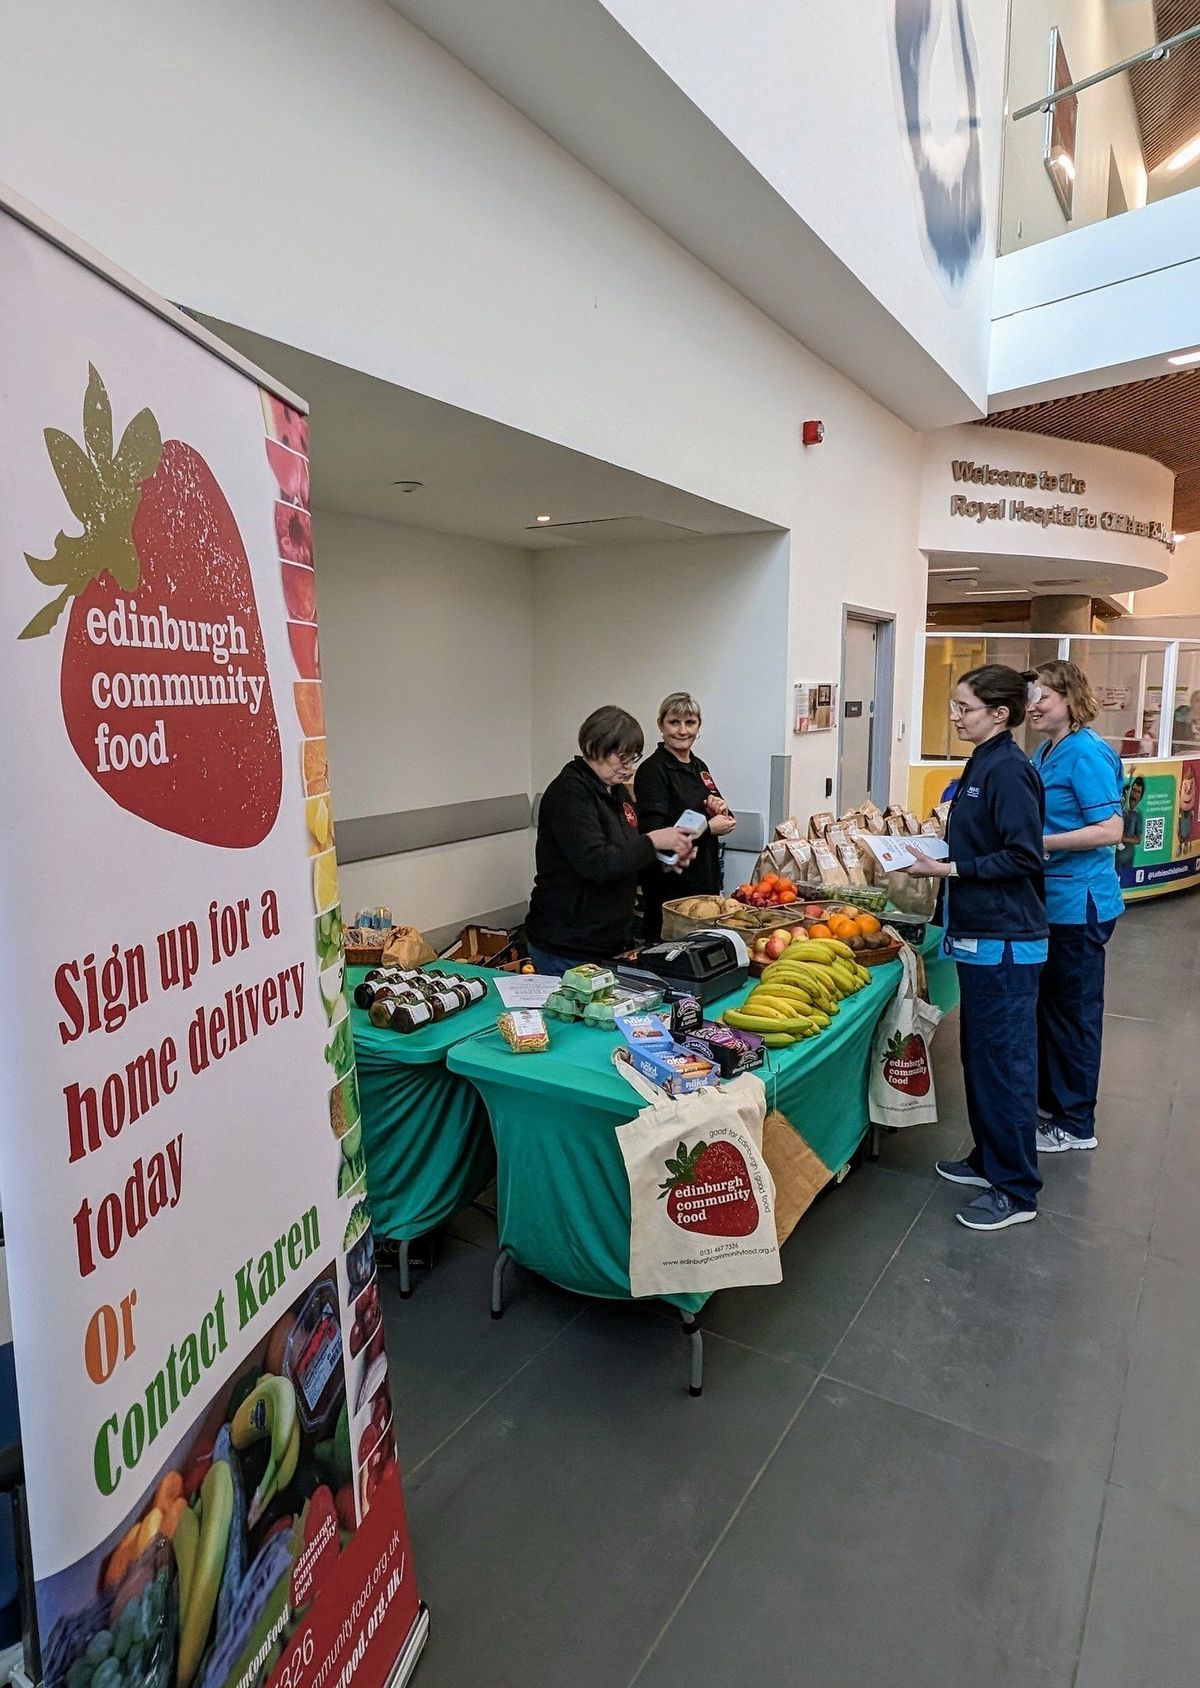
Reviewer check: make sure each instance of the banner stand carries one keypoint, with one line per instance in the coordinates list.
(213, 1491)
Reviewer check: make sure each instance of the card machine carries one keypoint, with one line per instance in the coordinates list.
(691, 821)
(709, 964)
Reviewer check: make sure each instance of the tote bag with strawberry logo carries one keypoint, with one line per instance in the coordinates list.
(702, 1202)
(900, 1090)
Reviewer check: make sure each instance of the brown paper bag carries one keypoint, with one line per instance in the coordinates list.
(406, 947)
(799, 1174)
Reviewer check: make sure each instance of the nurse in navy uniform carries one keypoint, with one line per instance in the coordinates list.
(994, 913)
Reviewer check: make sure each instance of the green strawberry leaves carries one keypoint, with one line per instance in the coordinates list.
(97, 418)
(682, 1167)
(102, 490)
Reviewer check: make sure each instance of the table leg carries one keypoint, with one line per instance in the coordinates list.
(873, 1143)
(502, 1260)
(402, 1266)
(695, 1338)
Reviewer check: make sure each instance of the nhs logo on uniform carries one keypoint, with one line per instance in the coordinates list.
(972, 791)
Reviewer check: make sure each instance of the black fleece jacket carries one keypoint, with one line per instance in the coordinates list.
(589, 854)
(995, 831)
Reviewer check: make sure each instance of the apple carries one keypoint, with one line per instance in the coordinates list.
(814, 911)
(776, 945)
(798, 932)
(760, 943)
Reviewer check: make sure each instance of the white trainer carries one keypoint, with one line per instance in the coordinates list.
(1053, 1140)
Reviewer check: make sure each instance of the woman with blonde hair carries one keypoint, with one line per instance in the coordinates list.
(1084, 800)
(670, 781)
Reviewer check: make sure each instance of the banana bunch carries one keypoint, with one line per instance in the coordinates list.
(269, 1410)
(798, 995)
(200, 1545)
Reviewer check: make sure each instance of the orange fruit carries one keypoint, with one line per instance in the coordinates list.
(868, 925)
(820, 930)
(310, 708)
(788, 894)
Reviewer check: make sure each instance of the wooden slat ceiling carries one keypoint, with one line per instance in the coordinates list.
(1167, 94)
(1159, 417)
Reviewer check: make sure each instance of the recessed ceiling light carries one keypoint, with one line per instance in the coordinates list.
(409, 486)
(1185, 357)
(995, 592)
(965, 568)
(1186, 155)
(541, 518)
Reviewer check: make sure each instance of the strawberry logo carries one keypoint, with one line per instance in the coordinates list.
(709, 1191)
(630, 814)
(164, 685)
(906, 1064)
(708, 782)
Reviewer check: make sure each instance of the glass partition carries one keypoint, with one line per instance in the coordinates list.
(1119, 144)
(951, 655)
(1127, 677)
(1185, 718)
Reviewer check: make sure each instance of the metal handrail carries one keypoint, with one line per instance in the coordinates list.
(1161, 50)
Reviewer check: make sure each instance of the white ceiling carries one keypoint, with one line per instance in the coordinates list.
(1024, 576)
(480, 479)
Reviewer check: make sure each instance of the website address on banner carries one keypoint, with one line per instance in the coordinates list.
(347, 1637)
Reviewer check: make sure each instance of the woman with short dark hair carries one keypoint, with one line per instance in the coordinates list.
(994, 912)
(589, 850)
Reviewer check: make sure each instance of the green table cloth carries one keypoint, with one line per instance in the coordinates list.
(563, 1196)
(425, 1131)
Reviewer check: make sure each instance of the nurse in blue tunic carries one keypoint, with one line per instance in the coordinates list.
(1083, 782)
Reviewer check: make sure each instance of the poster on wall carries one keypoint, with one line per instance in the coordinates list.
(213, 1491)
(1160, 840)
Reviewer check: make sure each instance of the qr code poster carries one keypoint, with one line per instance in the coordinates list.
(1149, 819)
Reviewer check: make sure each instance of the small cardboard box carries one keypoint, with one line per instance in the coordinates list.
(483, 946)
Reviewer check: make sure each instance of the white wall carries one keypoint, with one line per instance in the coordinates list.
(426, 654)
(628, 624)
(808, 93)
(1102, 306)
(1180, 592)
(1106, 120)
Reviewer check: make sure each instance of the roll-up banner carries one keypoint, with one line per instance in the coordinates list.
(213, 1493)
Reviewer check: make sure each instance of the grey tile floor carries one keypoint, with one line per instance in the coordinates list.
(928, 1460)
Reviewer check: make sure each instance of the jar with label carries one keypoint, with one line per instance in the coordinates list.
(381, 1010)
(411, 1016)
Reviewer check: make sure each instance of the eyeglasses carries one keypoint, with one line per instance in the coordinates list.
(958, 710)
(620, 760)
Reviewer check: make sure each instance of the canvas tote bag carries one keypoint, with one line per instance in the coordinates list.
(900, 1089)
(702, 1201)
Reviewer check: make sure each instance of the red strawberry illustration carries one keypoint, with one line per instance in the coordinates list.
(906, 1064)
(709, 1191)
(164, 684)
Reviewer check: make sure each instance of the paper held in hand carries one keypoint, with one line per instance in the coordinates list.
(894, 854)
